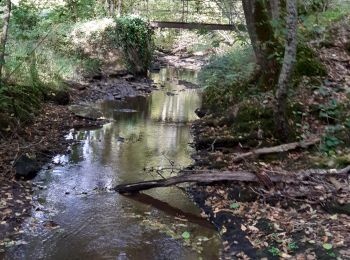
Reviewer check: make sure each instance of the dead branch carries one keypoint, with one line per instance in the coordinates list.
(277, 149)
(208, 177)
(190, 176)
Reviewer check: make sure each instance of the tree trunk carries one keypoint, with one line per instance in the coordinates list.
(258, 17)
(119, 8)
(111, 7)
(275, 9)
(3, 39)
(281, 119)
(248, 8)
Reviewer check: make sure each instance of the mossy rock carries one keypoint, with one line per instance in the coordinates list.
(308, 64)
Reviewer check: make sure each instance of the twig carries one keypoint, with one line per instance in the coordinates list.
(213, 144)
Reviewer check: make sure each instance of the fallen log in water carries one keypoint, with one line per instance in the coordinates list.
(243, 176)
(206, 177)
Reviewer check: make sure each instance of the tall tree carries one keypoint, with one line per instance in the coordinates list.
(4, 33)
(281, 119)
(258, 15)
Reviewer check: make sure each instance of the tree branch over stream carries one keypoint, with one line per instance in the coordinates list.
(217, 176)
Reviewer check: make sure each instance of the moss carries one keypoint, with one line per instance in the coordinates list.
(342, 161)
(308, 64)
(253, 116)
(270, 46)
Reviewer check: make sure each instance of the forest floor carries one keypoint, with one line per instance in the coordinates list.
(308, 220)
(45, 137)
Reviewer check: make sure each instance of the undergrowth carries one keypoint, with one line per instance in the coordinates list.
(134, 36)
(225, 78)
(230, 88)
(47, 47)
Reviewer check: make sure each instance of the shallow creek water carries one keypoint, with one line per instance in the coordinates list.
(77, 217)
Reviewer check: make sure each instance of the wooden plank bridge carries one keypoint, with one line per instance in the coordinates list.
(192, 26)
(191, 14)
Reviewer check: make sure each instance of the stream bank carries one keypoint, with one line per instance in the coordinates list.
(146, 131)
(31, 146)
(305, 221)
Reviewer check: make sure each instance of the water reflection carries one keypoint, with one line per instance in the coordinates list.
(101, 225)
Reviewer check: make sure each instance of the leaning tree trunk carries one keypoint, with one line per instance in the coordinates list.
(281, 119)
(258, 15)
(3, 39)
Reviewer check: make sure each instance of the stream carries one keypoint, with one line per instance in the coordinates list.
(77, 216)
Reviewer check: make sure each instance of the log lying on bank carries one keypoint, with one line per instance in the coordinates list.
(277, 149)
(242, 176)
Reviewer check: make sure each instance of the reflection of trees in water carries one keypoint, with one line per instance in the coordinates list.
(177, 108)
(170, 73)
(159, 126)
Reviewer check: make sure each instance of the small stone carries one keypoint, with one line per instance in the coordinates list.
(341, 201)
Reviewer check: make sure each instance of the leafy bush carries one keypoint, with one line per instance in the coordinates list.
(226, 77)
(40, 57)
(308, 64)
(20, 101)
(134, 36)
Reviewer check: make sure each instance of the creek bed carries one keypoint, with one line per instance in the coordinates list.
(76, 216)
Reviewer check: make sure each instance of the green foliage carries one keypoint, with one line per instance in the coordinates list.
(24, 19)
(308, 64)
(166, 39)
(327, 246)
(226, 78)
(315, 24)
(274, 251)
(20, 101)
(234, 205)
(312, 6)
(134, 36)
(332, 139)
(253, 116)
(186, 235)
(77, 10)
(292, 246)
(330, 111)
(40, 55)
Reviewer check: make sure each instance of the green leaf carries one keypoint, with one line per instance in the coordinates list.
(186, 235)
(234, 205)
(327, 246)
